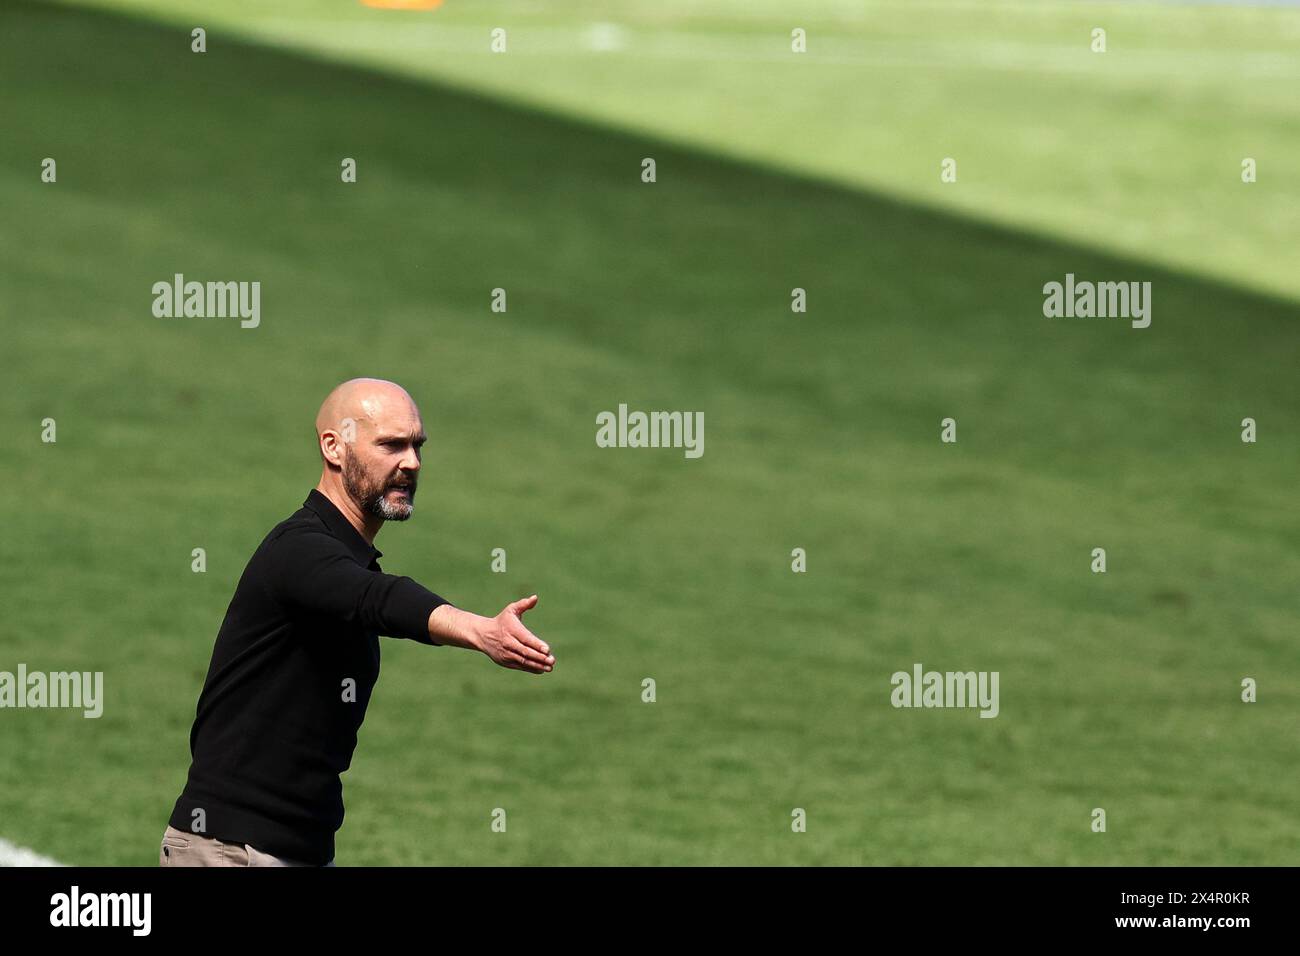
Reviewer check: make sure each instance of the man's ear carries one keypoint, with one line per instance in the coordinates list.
(331, 448)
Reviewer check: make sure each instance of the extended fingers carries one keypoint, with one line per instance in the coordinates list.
(532, 654)
(520, 663)
(527, 638)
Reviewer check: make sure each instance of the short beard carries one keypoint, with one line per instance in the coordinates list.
(369, 495)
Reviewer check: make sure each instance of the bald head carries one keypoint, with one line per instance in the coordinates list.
(362, 399)
(369, 435)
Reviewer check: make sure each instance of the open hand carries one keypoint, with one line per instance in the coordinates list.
(505, 639)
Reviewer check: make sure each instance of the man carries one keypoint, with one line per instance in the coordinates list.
(298, 652)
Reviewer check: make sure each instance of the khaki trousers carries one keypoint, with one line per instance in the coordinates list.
(193, 849)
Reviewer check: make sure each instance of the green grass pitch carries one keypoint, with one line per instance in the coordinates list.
(521, 171)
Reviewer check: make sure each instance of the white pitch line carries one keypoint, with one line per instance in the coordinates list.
(13, 855)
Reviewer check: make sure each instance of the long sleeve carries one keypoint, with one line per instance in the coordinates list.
(315, 572)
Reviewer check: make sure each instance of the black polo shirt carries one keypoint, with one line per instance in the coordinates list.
(291, 674)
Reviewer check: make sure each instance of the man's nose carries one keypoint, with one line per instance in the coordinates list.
(410, 461)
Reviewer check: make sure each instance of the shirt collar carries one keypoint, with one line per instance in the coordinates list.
(341, 527)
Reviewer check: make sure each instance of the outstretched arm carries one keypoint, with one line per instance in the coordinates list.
(502, 638)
